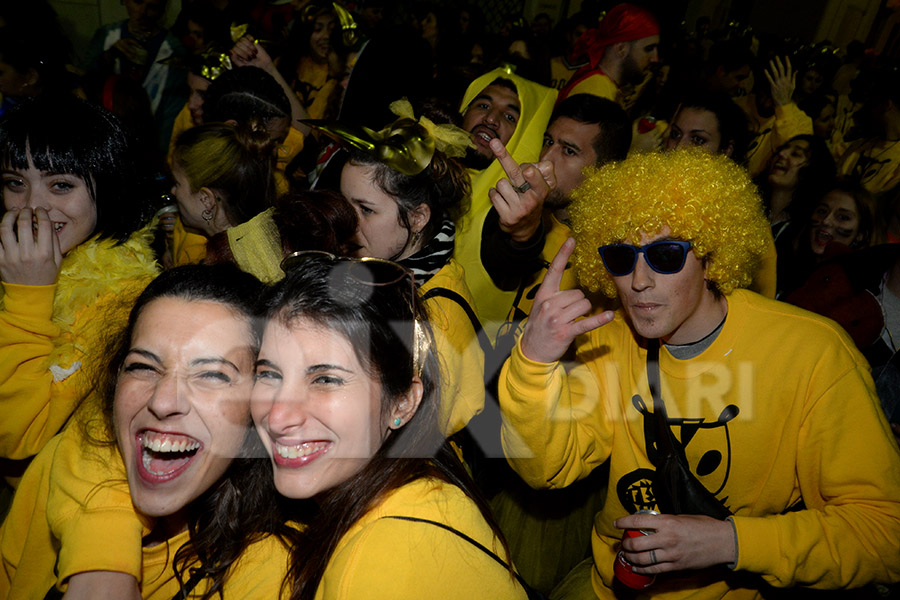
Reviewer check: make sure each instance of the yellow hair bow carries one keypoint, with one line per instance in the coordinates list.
(214, 64)
(406, 145)
(449, 139)
(348, 25)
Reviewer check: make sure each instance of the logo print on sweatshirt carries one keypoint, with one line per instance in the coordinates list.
(711, 440)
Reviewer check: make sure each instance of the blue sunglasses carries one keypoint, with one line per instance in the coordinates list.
(665, 257)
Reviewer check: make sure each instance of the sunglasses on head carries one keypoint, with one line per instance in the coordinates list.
(375, 272)
(665, 256)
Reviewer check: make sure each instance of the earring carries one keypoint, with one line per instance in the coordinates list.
(207, 215)
(397, 422)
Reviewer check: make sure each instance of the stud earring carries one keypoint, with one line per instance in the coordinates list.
(397, 422)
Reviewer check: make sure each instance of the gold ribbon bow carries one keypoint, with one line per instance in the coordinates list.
(407, 145)
(214, 64)
(449, 139)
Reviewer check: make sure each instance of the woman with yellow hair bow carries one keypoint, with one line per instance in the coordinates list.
(407, 190)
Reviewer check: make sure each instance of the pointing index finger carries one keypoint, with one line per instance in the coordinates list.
(510, 166)
(555, 271)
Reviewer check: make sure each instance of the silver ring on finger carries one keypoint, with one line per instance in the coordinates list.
(653, 560)
(521, 189)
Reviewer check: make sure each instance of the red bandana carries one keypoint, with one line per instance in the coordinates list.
(623, 23)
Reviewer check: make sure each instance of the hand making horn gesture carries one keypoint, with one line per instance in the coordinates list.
(554, 321)
(519, 199)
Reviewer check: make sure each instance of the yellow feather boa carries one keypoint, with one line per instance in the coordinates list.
(97, 284)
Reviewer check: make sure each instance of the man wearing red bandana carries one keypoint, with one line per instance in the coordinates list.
(620, 51)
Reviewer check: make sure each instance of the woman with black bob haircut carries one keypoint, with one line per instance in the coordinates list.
(67, 135)
(345, 402)
(159, 491)
(72, 257)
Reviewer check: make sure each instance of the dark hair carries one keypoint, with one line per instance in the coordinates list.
(814, 104)
(865, 207)
(242, 506)
(238, 164)
(247, 95)
(316, 220)
(444, 186)
(63, 134)
(614, 139)
(379, 322)
(504, 82)
(813, 178)
(731, 55)
(308, 220)
(24, 50)
(732, 121)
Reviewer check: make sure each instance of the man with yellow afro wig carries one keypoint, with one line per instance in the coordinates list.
(752, 426)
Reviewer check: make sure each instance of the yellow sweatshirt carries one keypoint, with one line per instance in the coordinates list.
(461, 358)
(391, 559)
(805, 424)
(73, 513)
(49, 336)
(771, 132)
(874, 163)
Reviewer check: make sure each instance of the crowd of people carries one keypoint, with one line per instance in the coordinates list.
(360, 300)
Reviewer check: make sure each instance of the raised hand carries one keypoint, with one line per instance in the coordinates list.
(28, 256)
(247, 53)
(554, 320)
(783, 80)
(519, 199)
(680, 542)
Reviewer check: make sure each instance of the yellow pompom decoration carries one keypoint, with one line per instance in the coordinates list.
(703, 198)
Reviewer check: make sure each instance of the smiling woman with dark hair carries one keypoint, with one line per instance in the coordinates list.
(346, 402)
(157, 491)
(70, 251)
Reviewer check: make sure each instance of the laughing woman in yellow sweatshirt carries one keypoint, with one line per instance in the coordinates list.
(71, 250)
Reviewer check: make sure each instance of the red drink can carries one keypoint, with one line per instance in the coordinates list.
(624, 570)
(646, 124)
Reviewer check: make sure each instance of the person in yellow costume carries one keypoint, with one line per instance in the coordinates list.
(253, 95)
(874, 160)
(346, 403)
(774, 116)
(620, 51)
(202, 71)
(157, 490)
(690, 373)
(583, 131)
(408, 188)
(73, 252)
(500, 105)
(545, 539)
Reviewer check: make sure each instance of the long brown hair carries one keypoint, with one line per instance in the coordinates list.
(380, 322)
(243, 506)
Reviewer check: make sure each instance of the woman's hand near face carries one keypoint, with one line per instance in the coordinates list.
(28, 257)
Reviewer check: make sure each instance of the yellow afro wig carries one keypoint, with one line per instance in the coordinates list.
(705, 199)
